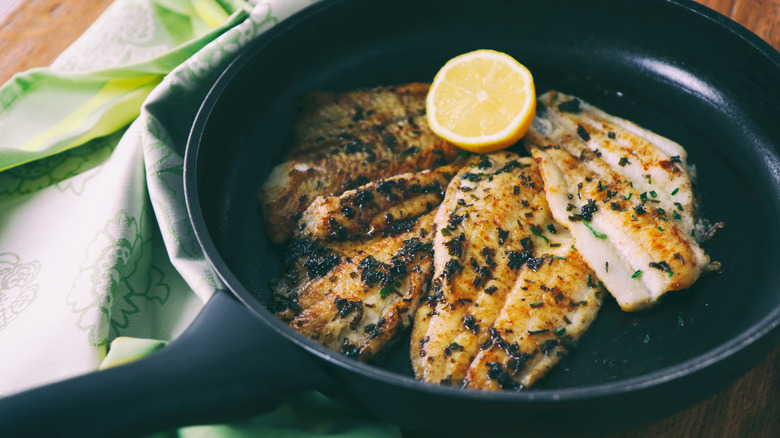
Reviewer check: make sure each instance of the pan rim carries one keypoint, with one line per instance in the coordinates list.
(763, 330)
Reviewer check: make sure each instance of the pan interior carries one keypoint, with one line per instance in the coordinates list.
(637, 60)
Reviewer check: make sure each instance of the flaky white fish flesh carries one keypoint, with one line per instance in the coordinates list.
(625, 195)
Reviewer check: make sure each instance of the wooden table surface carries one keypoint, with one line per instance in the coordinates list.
(34, 32)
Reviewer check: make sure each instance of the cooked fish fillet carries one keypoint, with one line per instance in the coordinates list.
(545, 315)
(327, 115)
(376, 207)
(503, 270)
(344, 140)
(625, 195)
(360, 262)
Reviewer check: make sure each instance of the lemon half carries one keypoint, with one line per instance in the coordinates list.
(482, 101)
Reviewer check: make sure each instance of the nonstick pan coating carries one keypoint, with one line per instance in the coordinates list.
(672, 67)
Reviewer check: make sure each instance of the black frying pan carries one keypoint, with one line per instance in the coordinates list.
(672, 66)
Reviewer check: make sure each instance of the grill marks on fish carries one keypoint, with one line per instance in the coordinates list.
(369, 298)
(326, 115)
(342, 141)
(624, 193)
(542, 320)
(495, 256)
(355, 286)
(386, 207)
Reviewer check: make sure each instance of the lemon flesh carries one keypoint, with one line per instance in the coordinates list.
(482, 101)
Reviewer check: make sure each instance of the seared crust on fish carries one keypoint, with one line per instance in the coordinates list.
(499, 263)
(543, 318)
(344, 140)
(327, 115)
(375, 208)
(625, 195)
(504, 270)
(360, 262)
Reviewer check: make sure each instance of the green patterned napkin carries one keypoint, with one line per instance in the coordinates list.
(97, 256)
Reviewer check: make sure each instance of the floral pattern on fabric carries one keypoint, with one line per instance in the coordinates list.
(58, 170)
(17, 286)
(110, 283)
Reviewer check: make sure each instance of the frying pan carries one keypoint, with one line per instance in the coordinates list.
(671, 66)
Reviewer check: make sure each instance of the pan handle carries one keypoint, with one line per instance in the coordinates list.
(226, 366)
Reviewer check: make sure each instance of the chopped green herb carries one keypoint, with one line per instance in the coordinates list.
(538, 231)
(653, 194)
(662, 266)
(537, 332)
(637, 273)
(623, 161)
(674, 192)
(643, 196)
(536, 304)
(446, 232)
(660, 228)
(385, 291)
(676, 215)
(551, 228)
(595, 233)
(627, 197)
(679, 206)
(560, 330)
(559, 257)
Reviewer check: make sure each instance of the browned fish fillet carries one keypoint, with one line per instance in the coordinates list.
(375, 208)
(360, 262)
(543, 318)
(625, 195)
(342, 141)
(327, 115)
(509, 293)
